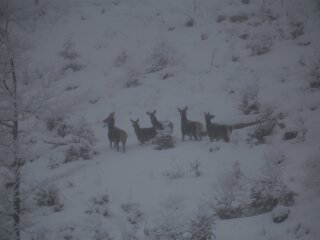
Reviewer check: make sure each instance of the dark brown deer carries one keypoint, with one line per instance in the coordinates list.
(190, 128)
(160, 125)
(115, 135)
(221, 131)
(143, 134)
(216, 131)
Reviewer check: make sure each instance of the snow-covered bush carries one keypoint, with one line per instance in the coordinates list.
(177, 171)
(170, 223)
(58, 125)
(297, 28)
(239, 18)
(101, 235)
(76, 152)
(267, 194)
(99, 205)
(71, 56)
(133, 212)
(230, 202)
(201, 226)
(53, 122)
(134, 217)
(77, 136)
(249, 99)
(194, 168)
(163, 55)
(133, 78)
(49, 196)
(121, 59)
(268, 190)
(260, 45)
(260, 132)
(313, 75)
(164, 141)
(242, 198)
(312, 169)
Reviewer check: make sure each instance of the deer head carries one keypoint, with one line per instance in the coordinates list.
(183, 112)
(109, 120)
(135, 124)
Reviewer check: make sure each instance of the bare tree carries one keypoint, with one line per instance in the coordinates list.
(17, 103)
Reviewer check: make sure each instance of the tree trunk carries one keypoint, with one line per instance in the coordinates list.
(16, 158)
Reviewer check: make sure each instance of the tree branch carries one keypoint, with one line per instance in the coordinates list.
(6, 124)
(6, 87)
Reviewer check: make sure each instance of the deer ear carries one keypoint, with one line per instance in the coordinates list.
(148, 113)
(137, 120)
(154, 112)
(186, 108)
(179, 110)
(131, 120)
(112, 114)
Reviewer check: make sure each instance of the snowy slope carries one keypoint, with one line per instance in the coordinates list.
(209, 67)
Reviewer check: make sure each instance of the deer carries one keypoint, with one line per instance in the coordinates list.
(115, 135)
(189, 128)
(159, 125)
(217, 131)
(143, 134)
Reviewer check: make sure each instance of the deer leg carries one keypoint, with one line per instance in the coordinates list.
(117, 145)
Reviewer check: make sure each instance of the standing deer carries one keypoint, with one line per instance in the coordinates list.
(115, 134)
(216, 131)
(143, 134)
(160, 125)
(189, 128)
(220, 131)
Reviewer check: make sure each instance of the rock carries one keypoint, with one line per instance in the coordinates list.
(290, 135)
(280, 214)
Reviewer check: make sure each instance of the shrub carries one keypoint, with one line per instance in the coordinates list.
(239, 18)
(194, 168)
(259, 196)
(221, 18)
(102, 235)
(170, 223)
(297, 28)
(313, 75)
(230, 203)
(53, 122)
(70, 55)
(162, 56)
(99, 205)
(268, 190)
(121, 59)
(201, 226)
(76, 152)
(58, 124)
(68, 52)
(133, 212)
(164, 141)
(260, 46)
(49, 197)
(262, 130)
(312, 169)
(249, 100)
(266, 194)
(175, 172)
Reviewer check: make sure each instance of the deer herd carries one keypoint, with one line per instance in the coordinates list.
(193, 129)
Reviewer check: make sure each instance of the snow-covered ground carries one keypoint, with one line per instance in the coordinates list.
(136, 56)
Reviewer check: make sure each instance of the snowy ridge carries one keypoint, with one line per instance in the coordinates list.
(134, 56)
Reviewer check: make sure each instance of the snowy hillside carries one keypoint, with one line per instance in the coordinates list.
(243, 61)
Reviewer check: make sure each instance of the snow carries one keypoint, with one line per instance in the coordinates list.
(101, 30)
